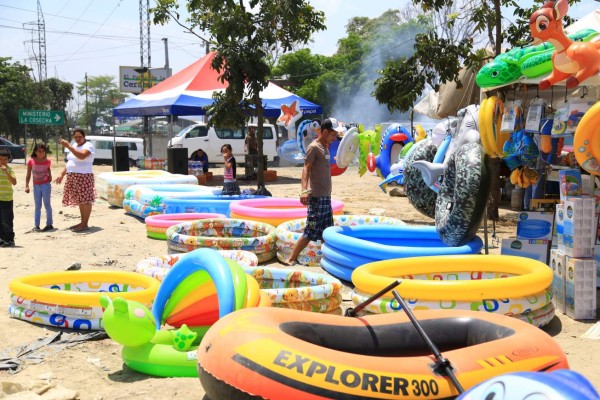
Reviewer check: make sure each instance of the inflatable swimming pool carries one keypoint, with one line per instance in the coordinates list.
(70, 299)
(277, 354)
(349, 247)
(145, 200)
(215, 203)
(496, 284)
(289, 232)
(157, 225)
(274, 211)
(112, 185)
(223, 234)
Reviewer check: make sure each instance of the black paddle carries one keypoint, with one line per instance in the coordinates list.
(442, 365)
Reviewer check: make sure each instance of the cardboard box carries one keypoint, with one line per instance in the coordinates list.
(580, 288)
(536, 225)
(559, 228)
(543, 204)
(579, 227)
(534, 249)
(570, 183)
(558, 263)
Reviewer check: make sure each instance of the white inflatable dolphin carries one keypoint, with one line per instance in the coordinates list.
(467, 132)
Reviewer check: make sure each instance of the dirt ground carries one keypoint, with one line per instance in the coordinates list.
(93, 369)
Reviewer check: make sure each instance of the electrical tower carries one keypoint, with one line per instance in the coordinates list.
(38, 43)
(145, 63)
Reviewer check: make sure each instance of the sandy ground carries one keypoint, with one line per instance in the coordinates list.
(117, 241)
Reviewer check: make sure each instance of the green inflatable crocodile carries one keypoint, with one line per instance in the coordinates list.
(529, 61)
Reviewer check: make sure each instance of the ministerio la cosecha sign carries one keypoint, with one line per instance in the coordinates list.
(131, 81)
(41, 117)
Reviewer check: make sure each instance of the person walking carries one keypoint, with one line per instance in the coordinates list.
(251, 150)
(79, 186)
(7, 216)
(230, 186)
(316, 188)
(38, 166)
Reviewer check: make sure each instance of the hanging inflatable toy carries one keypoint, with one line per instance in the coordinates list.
(289, 150)
(289, 115)
(562, 384)
(573, 61)
(490, 120)
(467, 132)
(347, 148)
(308, 132)
(396, 141)
(419, 133)
(524, 62)
(368, 146)
(418, 188)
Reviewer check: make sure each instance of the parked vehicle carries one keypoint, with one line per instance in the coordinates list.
(16, 150)
(104, 148)
(199, 136)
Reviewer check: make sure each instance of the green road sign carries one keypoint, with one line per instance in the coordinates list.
(41, 117)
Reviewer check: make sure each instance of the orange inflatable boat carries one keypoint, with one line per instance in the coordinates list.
(276, 353)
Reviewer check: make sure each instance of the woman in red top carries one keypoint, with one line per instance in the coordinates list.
(39, 166)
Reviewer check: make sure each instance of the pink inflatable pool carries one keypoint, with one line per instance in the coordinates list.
(156, 225)
(273, 210)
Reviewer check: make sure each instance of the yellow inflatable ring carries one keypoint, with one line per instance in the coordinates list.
(586, 143)
(528, 276)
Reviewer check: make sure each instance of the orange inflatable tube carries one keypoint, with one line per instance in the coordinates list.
(586, 142)
(275, 353)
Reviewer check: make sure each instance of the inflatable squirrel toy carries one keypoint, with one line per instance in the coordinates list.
(573, 61)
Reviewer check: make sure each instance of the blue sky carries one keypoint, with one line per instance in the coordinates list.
(97, 36)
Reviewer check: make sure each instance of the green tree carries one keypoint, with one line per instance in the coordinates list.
(56, 95)
(102, 95)
(17, 90)
(242, 33)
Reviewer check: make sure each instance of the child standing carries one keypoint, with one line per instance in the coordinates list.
(39, 165)
(7, 181)
(230, 186)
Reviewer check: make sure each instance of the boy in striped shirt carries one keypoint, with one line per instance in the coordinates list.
(7, 181)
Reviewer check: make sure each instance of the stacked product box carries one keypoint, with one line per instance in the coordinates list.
(580, 288)
(579, 227)
(558, 263)
(576, 236)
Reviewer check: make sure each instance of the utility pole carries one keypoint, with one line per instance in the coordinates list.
(87, 111)
(166, 55)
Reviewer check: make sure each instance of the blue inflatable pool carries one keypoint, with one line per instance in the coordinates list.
(203, 204)
(349, 247)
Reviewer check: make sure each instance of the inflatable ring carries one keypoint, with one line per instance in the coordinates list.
(224, 234)
(524, 277)
(586, 143)
(418, 193)
(114, 184)
(157, 225)
(298, 355)
(348, 148)
(157, 267)
(274, 211)
(348, 247)
(321, 285)
(463, 195)
(145, 200)
(290, 232)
